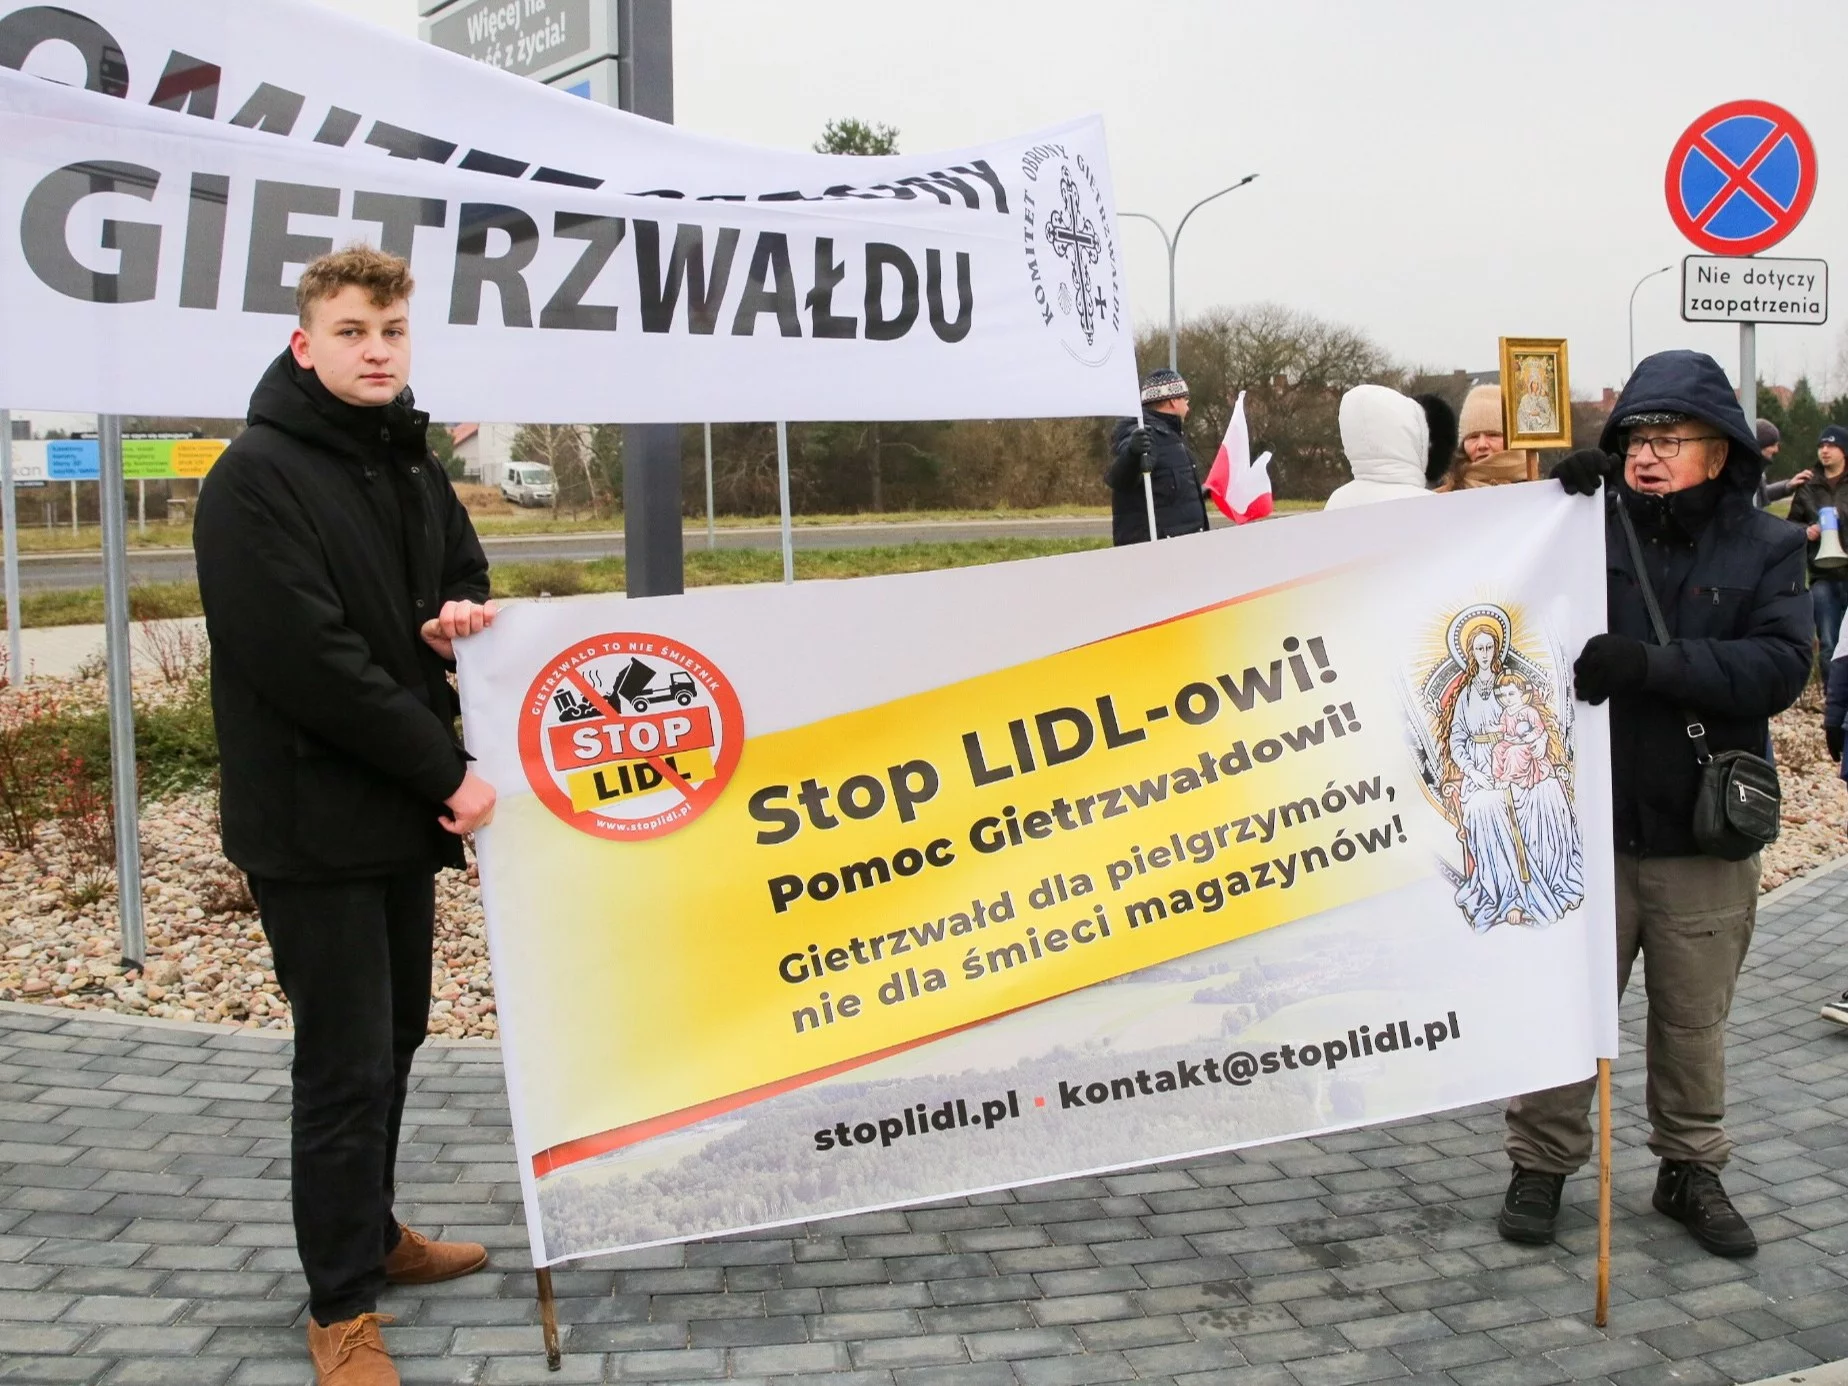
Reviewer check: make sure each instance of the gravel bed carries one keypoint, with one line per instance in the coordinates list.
(207, 958)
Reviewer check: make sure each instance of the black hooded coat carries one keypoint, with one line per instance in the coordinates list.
(325, 536)
(1729, 579)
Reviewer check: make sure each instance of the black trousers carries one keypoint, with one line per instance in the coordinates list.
(353, 957)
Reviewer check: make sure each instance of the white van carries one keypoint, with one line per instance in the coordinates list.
(528, 483)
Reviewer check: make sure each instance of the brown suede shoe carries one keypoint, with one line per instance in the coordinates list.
(416, 1260)
(351, 1353)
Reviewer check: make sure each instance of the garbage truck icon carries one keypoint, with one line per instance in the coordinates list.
(640, 686)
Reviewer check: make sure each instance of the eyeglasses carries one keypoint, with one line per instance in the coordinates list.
(1665, 449)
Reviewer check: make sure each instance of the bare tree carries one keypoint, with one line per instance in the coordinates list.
(566, 449)
(1294, 367)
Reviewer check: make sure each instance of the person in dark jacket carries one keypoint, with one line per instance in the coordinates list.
(337, 568)
(1160, 447)
(1828, 585)
(1770, 442)
(1729, 579)
(1834, 719)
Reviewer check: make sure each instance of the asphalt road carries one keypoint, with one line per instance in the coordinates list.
(55, 571)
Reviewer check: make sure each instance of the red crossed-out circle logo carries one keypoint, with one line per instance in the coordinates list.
(630, 735)
(1741, 177)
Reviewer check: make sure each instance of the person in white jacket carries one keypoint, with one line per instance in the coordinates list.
(1393, 443)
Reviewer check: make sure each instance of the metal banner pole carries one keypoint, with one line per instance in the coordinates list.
(711, 542)
(73, 507)
(9, 521)
(1602, 1308)
(120, 655)
(141, 506)
(782, 489)
(1748, 372)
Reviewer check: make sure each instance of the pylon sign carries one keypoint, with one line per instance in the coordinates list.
(1741, 177)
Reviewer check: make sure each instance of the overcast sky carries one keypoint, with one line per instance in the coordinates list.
(1437, 173)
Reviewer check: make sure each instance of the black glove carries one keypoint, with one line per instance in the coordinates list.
(1139, 447)
(1833, 735)
(1584, 471)
(1609, 664)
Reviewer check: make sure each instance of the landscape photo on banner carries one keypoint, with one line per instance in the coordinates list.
(811, 900)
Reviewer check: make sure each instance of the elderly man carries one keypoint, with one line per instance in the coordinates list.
(1730, 583)
(1828, 585)
(1158, 447)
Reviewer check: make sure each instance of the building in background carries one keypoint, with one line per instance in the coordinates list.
(484, 450)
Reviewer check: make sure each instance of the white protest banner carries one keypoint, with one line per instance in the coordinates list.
(847, 895)
(161, 250)
(299, 70)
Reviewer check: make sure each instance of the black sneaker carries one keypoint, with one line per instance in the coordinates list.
(1691, 1195)
(1531, 1207)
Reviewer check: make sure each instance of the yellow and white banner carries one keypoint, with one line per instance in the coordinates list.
(817, 899)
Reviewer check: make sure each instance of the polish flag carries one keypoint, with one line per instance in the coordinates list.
(1240, 487)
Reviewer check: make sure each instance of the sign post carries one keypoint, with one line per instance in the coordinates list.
(111, 507)
(9, 521)
(1739, 180)
(618, 53)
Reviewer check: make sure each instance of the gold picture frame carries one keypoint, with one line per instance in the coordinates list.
(1536, 392)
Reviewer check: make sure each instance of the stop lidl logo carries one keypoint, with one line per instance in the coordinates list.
(630, 735)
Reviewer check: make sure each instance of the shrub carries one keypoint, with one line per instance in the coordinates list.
(30, 737)
(179, 652)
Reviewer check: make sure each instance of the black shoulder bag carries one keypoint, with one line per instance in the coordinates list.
(1736, 811)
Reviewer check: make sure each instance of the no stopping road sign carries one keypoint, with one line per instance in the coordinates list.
(1741, 177)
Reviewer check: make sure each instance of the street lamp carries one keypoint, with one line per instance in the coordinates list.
(1639, 284)
(1172, 242)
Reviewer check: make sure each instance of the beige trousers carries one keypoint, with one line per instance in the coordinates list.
(1692, 918)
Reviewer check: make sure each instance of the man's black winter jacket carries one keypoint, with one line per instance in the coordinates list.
(1179, 506)
(326, 536)
(1730, 582)
(1806, 506)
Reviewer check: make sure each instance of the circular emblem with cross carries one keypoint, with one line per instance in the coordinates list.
(1741, 177)
(630, 735)
(1072, 262)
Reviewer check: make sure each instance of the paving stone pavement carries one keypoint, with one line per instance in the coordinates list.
(145, 1238)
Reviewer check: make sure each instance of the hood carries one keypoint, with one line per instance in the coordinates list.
(293, 399)
(1692, 383)
(1386, 436)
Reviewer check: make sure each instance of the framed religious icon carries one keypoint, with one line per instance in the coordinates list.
(1536, 392)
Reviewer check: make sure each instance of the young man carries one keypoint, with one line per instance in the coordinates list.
(1828, 586)
(337, 568)
(1161, 442)
(1689, 468)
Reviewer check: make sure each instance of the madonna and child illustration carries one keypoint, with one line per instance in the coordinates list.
(1490, 726)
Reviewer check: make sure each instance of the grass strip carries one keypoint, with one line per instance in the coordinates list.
(571, 578)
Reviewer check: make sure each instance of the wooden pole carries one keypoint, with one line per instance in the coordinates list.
(1533, 464)
(548, 1319)
(1602, 1316)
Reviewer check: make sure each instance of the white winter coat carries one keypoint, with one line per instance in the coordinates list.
(1386, 439)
